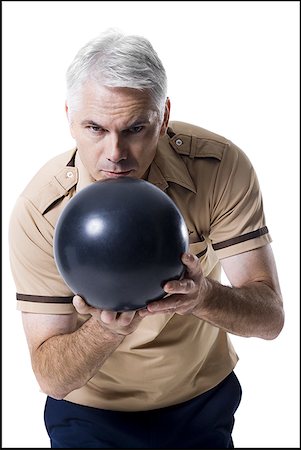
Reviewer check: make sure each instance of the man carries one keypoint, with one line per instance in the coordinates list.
(163, 376)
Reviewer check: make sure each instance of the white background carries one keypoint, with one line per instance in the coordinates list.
(233, 68)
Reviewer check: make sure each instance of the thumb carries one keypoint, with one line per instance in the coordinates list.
(192, 263)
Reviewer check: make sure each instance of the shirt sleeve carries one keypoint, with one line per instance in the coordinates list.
(40, 288)
(237, 216)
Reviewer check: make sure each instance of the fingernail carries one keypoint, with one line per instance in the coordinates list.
(77, 299)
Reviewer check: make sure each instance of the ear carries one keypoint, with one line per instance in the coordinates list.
(69, 119)
(67, 109)
(166, 117)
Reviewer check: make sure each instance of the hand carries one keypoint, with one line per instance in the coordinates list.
(185, 295)
(117, 322)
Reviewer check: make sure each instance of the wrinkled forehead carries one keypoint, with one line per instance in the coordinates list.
(92, 91)
(97, 102)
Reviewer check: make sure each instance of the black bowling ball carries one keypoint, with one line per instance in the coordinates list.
(118, 241)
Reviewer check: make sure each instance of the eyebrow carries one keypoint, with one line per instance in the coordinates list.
(90, 122)
(139, 121)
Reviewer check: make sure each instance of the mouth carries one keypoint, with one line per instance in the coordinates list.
(109, 174)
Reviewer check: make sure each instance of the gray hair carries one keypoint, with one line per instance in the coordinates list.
(118, 60)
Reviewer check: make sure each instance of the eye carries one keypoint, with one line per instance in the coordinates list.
(94, 129)
(136, 129)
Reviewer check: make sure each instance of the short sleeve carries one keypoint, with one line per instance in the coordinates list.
(39, 286)
(237, 215)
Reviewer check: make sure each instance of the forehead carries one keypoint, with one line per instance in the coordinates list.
(113, 102)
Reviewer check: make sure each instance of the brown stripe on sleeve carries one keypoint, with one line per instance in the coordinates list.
(43, 299)
(239, 239)
(199, 255)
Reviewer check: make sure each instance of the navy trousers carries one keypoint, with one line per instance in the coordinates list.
(204, 422)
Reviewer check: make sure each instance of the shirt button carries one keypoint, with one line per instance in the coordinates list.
(179, 142)
(69, 174)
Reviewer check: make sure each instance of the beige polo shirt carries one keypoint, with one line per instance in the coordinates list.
(169, 358)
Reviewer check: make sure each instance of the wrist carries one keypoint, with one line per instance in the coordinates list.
(206, 295)
(104, 333)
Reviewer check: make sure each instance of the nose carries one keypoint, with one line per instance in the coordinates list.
(117, 152)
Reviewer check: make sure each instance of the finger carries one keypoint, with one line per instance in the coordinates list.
(80, 305)
(108, 316)
(168, 305)
(184, 286)
(144, 312)
(192, 264)
(126, 318)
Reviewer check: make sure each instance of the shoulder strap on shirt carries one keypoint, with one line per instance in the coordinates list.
(57, 187)
(194, 146)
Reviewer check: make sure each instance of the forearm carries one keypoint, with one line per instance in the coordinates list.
(253, 307)
(254, 310)
(66, 362)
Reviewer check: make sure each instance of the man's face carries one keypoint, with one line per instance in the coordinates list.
(116, 131)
